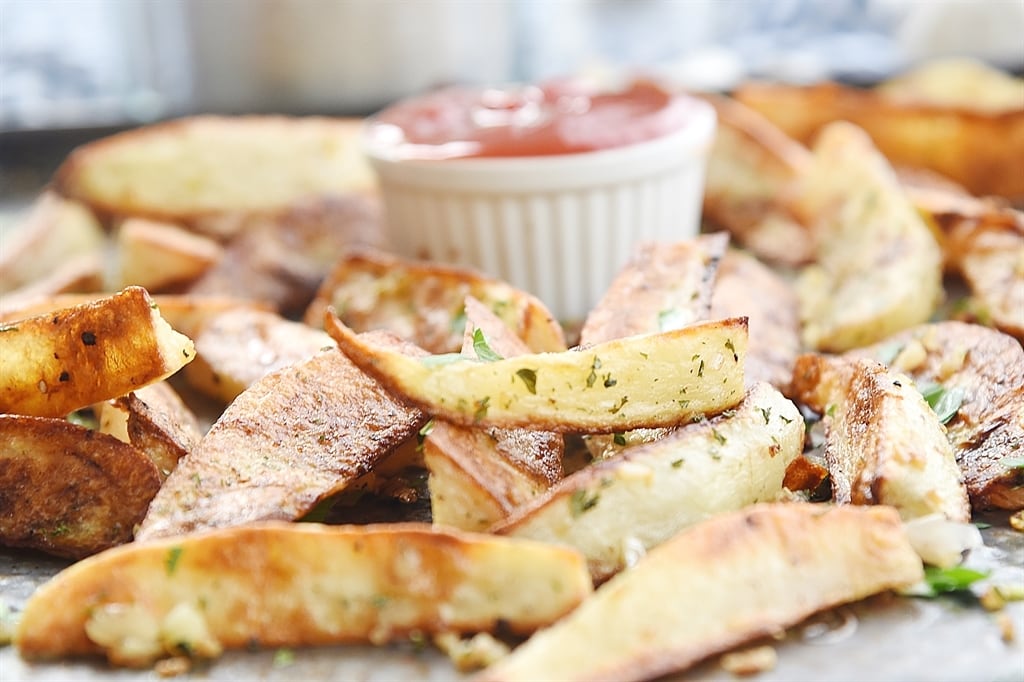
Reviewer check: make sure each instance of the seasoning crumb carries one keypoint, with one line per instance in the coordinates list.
(750, 661)
(1006, 628)
(474, 653)
(1017, 521)
(172, 667)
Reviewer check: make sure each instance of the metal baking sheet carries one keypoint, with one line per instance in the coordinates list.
(880, 639)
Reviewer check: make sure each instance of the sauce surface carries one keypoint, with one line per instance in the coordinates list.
(560, 117)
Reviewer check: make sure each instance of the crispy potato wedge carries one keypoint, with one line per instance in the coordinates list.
(156, 421)
(642, 381)
(878, 267)
(883, 443)
(289, 585)
(68, 490)
(80, 273)
(617, 508)
(729, 580)
(662, 287)
(161, 255)
(976, 147)
(423, 302)
(237, 347)
(749, 288)
(751, 170)
(294, 438)
(54, 231)
(281, 258)
(478, 475)
(957, 82)
(981, 371)
(196, 170)
(61, 361)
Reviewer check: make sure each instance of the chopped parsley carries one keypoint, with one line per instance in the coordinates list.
(945, 402)
(957, 579)
(619, 439)
(171, 561)
(529, 377)
(283, 658)
(581, 501)
(483, 351)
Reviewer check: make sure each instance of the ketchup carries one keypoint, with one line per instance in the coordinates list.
(560, 117)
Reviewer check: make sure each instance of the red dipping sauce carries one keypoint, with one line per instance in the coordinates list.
(562, 117)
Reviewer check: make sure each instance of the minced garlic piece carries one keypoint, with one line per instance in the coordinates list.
(475, 653)
(129, 633)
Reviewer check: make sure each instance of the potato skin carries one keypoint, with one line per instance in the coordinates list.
(69, 491)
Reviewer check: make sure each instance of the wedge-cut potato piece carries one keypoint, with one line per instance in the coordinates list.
(617, 508)
(878, 268)
(294, 438)
(957, 82)
(281, 258)
(751, 171)
(478, 475)
(289, 585)
(422, 301)
(194, 170)
(238, 347)
(662, 287)
(67, 490)
(160, 255)
(729, 580)
(54, 231)
(59, 362)
(883, 443)
(80, 273)
(979, 373)
(747, 287)
(638, 382)
(156, 421)
(965, 141)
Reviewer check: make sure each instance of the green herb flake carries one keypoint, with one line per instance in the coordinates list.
(944, 402)
(529, 377)
(8, 328)
(594, 366)
(957, 579)
(766, 412)
(59, 530)
(483, 351)
(609, 381)
(283, 658)
(582, 501)
(1013, 463)
(619, 439)
(676, 463)
(480, 411)
(732, 349)
(718, 436)
(620, 405)
(700, 369)
(171, 561)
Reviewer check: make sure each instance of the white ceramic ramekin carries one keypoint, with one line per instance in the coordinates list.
(559, 226)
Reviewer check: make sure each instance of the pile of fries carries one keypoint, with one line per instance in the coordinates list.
(249, 424)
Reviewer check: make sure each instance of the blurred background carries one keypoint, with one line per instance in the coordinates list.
(75, 69)
(81, 63)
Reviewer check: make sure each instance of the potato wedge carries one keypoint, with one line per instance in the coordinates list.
(883, 443)
(54, 231)
(751, 170)
(662, 287)
(59, 362)
(642, 381)
(196, 170)
(281, 258)
(156, 421)
(294, 438)
(160, 255)
(478, 475)
(423, 301)
(68, 490)
(81, 273)
(632, 502)
(878, 267)
(289, 585)
(729, 580)
(979, 373)
(236, 348)
(747, 287)
(977, 148)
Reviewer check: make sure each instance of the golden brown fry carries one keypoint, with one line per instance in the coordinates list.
(883, 443)
(423, 302)
(294, 438)
(729, 580)
(982, 371)
(614, 510)
(161, 255)
(278, 585)
(638, 382)
(237, 347)
(67, 490)
(71, 358)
